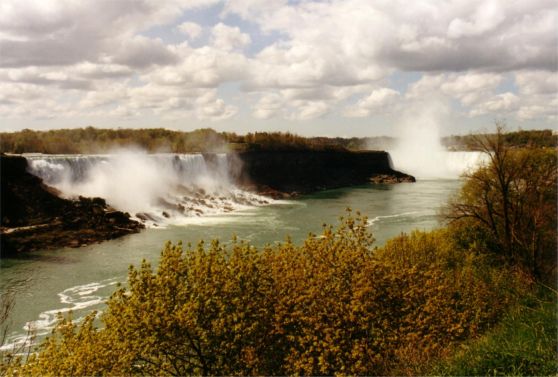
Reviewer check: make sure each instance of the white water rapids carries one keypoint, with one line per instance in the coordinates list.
(157, 189)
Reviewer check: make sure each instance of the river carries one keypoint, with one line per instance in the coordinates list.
(47, 282)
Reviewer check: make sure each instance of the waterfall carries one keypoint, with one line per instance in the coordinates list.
(438, 164)
(157, 189)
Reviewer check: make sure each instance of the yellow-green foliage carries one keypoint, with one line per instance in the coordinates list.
(333, 305)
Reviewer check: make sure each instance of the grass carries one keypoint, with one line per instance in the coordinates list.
(524, 344)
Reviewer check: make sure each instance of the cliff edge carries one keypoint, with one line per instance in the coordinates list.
(288, 173)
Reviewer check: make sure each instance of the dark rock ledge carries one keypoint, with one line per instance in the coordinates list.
(284, 174)
(34, 217)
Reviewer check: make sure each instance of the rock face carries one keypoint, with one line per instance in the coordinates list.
(34, 217)
(288, 173)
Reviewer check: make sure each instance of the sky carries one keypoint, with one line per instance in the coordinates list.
(329, 68)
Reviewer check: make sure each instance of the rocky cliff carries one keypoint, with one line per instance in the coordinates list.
(33, 216)
(299, 172)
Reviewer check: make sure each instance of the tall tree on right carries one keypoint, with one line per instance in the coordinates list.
(510, 203)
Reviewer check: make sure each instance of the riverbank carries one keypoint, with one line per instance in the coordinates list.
(34, 217)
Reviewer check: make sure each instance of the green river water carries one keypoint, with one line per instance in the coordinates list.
(47, 282)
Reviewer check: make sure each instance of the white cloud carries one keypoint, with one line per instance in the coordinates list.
(201, 67)
(378, 101)
(141, 52)
(268, 106)
(228, 38)
(297, 60)
(537, 82)
(487, 16)
(530, 112)
(191, 29)
(539, 95)
(499, 104)
(306, 110)
(216, 110)
(468, 88)
(63, 32)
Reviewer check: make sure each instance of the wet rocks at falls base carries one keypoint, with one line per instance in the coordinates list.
(392, 178)
(34, 217)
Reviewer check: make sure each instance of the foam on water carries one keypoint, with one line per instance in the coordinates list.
(74, 299)
(158, 189)
(377, 219)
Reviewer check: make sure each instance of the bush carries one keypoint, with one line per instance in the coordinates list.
(331, 306)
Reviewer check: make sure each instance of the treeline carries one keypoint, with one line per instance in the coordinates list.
(517, 139)
(337, 305)
(97, 140)
(100, 140)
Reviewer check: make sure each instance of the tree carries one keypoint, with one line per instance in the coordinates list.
(512, 200)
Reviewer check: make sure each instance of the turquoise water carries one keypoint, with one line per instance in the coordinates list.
(47, 282)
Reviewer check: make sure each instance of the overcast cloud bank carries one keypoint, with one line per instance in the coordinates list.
(210, 60)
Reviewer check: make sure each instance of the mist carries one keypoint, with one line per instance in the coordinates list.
(418, 149)
(155, 188)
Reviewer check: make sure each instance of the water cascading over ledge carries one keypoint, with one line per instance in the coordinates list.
(156, 189)
(167, 188)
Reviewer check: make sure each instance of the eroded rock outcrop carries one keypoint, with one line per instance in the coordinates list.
(34, 217)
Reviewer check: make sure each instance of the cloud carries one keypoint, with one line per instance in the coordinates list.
(296, 60)
(418, 36)
(65, 32)
(498, 104)
(206, 67)
(216, 110)
(142, 52)
(537, 82)
(468, 88)
(268, 106)
(306, 110)
(228, 38)
(539, 95)
(378, 100)
(486, 17)
(191, 29)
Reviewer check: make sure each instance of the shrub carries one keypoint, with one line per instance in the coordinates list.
(331, 306)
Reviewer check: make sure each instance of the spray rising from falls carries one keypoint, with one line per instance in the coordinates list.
(419, 151)
(156, 189)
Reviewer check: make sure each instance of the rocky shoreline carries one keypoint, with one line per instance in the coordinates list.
(34, 217)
